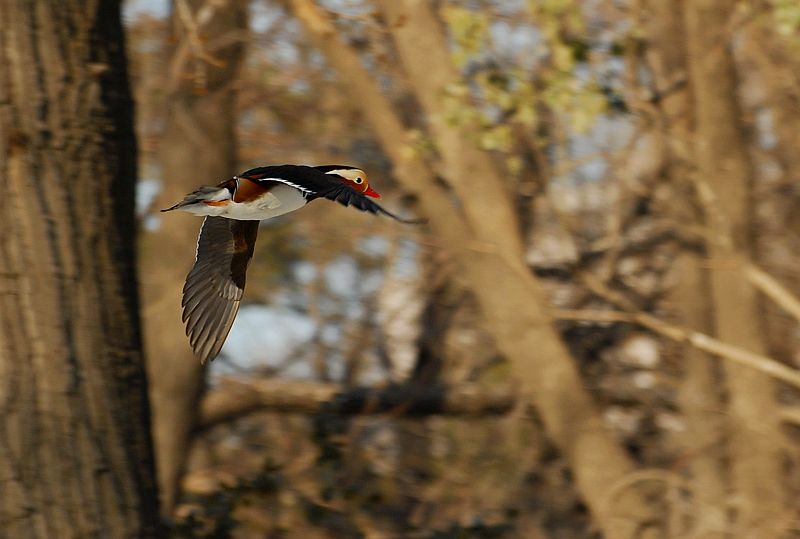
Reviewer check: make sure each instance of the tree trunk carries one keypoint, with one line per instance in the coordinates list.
(510, 297)
(698, 394)
(700, 400)
(75, 451)
(725, 175)
(198, 148)
(772, 69)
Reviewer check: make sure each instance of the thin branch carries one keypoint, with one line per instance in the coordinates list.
(774, 290)
(192, 45)
(701, 341)
(757, 277)
(791, 414)
(673, 481)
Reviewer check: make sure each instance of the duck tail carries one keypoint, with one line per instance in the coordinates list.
(204, 195)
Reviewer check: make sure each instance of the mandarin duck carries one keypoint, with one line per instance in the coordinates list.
(232, 211)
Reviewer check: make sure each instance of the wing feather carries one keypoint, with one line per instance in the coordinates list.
(347, 196)
(215, 285)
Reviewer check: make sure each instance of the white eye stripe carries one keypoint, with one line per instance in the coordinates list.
(355, 175)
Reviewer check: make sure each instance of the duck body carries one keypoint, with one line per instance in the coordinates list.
(267, 192)
(264, 203)
(232, 211)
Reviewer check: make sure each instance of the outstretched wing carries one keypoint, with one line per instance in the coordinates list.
(347, 196)
(215, 285)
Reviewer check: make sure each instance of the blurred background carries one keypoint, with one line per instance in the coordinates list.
(595, 335)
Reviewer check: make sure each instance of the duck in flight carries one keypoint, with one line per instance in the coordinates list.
(232, 210)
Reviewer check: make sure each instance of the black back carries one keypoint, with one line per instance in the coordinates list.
(315, 183)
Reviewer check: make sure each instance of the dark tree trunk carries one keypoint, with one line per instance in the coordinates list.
(75, 451)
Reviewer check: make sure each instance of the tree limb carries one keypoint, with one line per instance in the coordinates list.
(235, 398)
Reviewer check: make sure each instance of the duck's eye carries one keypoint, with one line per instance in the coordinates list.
(359, 180)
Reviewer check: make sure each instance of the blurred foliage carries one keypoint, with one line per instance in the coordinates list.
(787, 16)
(469, 31)
(495, 95)
(550, 88)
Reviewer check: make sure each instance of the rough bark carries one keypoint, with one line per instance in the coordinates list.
(509, 296)
(75, 451)
(724, 184)
(198, 148)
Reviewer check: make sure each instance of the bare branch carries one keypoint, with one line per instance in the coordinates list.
(770, 287)
(699, 340)
(236, 398)
(192, 46)
(791, 415)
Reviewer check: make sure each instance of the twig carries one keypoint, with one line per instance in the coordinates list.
(760, 279)
(672, 480)
(193, 45)
(699, 340)
(774, 290)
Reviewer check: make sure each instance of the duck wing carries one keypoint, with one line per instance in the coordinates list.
(347, 196)
(215, 285)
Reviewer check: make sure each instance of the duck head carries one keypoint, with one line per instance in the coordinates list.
(355, 178)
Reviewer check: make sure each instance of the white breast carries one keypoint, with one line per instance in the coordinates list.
(277, 201)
